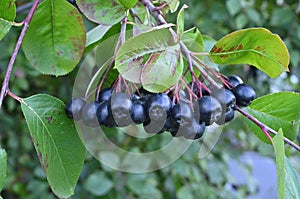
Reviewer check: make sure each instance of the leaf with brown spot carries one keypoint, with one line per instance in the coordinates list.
(255, 46)
(102, 12)
(55, 40)
(56, 141)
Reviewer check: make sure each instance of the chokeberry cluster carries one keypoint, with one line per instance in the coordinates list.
(158, 113)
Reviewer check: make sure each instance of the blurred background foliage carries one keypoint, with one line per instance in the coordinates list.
(240, 166)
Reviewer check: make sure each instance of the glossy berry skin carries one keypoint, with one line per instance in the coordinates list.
(195, 131)
(181, 115)
(104, 95)
(228, 116)
(74, 107)
(104, 117)
(210, 109)
(138, 112)
(225, 97)
(158, 106)
(119, 105)
(88, 114)
(244, 94)
(234, 80)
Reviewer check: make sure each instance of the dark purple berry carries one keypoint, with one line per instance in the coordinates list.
(154, 126)
(225, 97)
(181, 115)
(138, 112)
(104, 117)
(88, 114)
(74, 107)
(195, 131)
(120, 105)
(228, 116)
(104, 95)
(244, 94)
(158, 106)
(210, 109)
(234, 80)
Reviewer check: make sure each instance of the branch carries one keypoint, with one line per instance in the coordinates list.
(265, 127)
(160, 19)
(16, 50)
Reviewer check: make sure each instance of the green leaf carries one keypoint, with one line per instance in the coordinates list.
(93, 83)
(162, 70)
(292, 184)
(98, 184)
(255, 46)
(55, 39)
(56, 141)
(278, 144)
(155, 40)
(96, 34)
(172, 4)
(180, 21)
(102, 12)
(7, 16)
(278, 110)
(193, 40)
(3, 167)
(128, 3)
(209, 43)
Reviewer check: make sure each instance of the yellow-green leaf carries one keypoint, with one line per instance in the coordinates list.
(255, 46)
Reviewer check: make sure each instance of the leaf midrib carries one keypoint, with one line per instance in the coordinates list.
(47, 130)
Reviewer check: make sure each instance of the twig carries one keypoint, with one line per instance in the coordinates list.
(16, 50)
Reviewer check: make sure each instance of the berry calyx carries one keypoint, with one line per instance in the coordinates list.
(181, 115)
(244, 94)
(158, 106)
(74, 107)
(210, 109)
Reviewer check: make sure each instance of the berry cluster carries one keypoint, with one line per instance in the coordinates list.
(158, 113)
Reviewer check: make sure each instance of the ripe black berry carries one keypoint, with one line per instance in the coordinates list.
(88, 114)
(181, 115)
(120, 105)
(234, 80)
(195, 131)
(138, 112)
(225, 97)
(74, 107)
(210, 109)
(244, 94)
(104, 117)
(228, 116)
(104, 95)
(158, 106)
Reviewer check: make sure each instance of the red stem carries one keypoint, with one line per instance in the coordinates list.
(26, 21)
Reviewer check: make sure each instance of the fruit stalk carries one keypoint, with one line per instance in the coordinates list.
(26, 22)
(160, 20)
